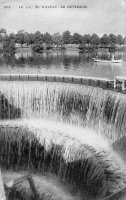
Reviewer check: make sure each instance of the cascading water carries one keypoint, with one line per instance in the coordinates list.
(70, 130)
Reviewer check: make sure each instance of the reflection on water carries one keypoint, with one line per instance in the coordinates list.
(63, 62)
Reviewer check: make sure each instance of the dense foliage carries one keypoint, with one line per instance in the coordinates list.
(39, 41)
(9, 45)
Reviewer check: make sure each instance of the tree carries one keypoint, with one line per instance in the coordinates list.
(124, 41)
(27, 38)
(120, 39)
(86, 39)
(47, 38)
(95, 40)
(57, 39)
(105, 40)
(9, 46)
(77, 38)
(11, 37)
(19, 37)
(38, 37)
(3, 31)
(113, 38)
(38, 47)
(82, 47)
(66, 37)
(31, 38)
(1, 38)
(40, 40)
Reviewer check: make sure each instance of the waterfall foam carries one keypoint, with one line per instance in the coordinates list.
(78, 125)
(54, 129)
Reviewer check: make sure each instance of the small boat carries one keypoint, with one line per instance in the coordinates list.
(108, 61)
(113, 60)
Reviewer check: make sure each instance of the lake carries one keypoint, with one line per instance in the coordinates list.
(63, 62)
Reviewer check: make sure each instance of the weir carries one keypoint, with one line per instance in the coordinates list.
(81, 80)
(72, 131)
(105, 83)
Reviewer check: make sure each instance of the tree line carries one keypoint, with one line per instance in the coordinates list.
(38, 41)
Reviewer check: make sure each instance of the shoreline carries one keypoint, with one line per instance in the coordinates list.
(64, 48)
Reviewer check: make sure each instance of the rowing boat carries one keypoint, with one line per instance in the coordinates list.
(108, 61)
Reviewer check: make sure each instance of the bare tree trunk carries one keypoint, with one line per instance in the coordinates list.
(32, 185)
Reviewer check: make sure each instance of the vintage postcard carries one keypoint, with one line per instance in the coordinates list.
(62, 99)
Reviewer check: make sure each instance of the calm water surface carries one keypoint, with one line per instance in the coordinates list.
(63, 63)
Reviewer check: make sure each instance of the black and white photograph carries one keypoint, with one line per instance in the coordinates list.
(62, 99)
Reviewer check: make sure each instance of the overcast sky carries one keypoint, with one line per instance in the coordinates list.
(100, 16)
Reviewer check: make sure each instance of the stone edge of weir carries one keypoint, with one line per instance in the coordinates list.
(82, 80)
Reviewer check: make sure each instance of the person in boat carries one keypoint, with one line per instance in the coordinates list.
(112, 57)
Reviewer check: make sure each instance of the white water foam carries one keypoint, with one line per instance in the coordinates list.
(83, 135)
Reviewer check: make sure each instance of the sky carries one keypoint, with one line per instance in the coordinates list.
(100, 16)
